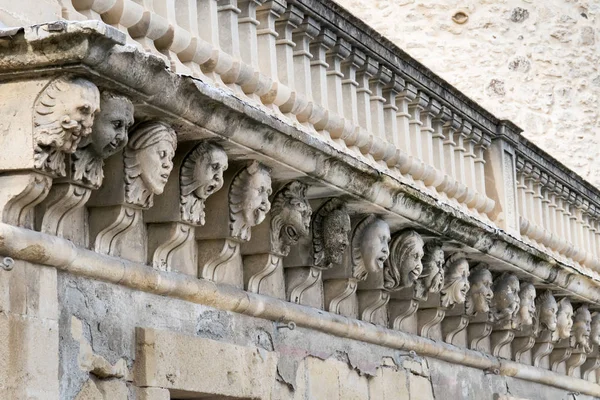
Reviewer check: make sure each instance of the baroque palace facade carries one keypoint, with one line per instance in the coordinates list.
(249, 199)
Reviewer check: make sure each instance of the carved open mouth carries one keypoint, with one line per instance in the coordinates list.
(164, 176)
(210, 188)
(292, 234)
(414, 274)
(381, 259)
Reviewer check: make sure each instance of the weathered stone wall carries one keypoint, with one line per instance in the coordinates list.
(535, 63)
(98, 324)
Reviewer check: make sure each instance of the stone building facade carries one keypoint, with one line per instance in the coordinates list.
(249, 199)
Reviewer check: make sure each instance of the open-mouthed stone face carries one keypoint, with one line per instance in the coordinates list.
(374, 246)
(208, 172)
(255, 200)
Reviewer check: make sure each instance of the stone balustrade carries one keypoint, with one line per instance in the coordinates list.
(290, 152)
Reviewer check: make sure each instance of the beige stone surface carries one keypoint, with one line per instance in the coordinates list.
(152, 394)
(534, 63)
(187, 364)
(420, 388)
(389, 384)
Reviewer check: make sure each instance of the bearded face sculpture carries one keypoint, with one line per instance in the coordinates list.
(330, 230)
(64, 114)
(527, 305)
(148, 160)
(404, 266)
(201, 176)
(456, 281)
(109, 135)
(546, 309)
(369, 246)
(506, 300)
(249, 199)
(432, 276)
(564, 319)
(480, 294)
(290, 217)
(582, 329)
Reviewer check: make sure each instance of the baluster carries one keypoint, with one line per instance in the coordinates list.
(376, 85)
(335, 77)
(267, 14)
(552, 215)
(284, 27)
(318, 66)
(350, 65)
(547, 239)
(560, 220)
(435, 176)
(302, 37)
(459, 159)
(568, 251)
(484, 204)
(537, 205)
(579, 254)
(522, 199)
(403, 99)
(529, 201)
(450, 131)
(391, 131)
(247, 31)
(363, 75)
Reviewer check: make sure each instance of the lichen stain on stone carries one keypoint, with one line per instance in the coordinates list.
(34, 253)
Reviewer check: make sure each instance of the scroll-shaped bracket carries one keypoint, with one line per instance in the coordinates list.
(477, 332)
(20, 193)
(63, 212)
(400, 311)
(591, 365)
(576, 360)
(520, 346)
(452, 326)
(340, 297)
(561, 353)
(428, 320)
(258, 268)
(500, 339)
(373, 306)
(304, 286)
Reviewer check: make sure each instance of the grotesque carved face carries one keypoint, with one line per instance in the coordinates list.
(595, 329)
(155, 165)
(456, 281)
(564, 319)
(336, 229)
(506, 297)
(547, 309)
(290, 216)
(404, 266)
(111, 124)
(434, 271)
(527, 308)
(582, 328)
(208, 172)
(480, 294)
(255, 201)
(374, 245)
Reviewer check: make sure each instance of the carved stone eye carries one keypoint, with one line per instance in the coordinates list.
(117, 124)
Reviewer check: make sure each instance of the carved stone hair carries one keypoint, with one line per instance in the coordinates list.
(402, 246)
(54, 134)
(475, 274)
(328, 210)
(238, 226)
(542, 301)
(447, 297)
(429, 267)
(359, 270)
(286, 212)
(191, 207)
(144, 135)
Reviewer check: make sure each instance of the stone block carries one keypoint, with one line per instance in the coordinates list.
(192, 366)
(322, 379)
(420, 388)
(389, 384)
(152, 394)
